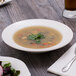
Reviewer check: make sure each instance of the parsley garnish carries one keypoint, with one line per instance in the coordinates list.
(36, 37)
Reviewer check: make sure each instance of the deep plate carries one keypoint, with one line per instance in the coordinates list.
(17, 64)
(7, 34)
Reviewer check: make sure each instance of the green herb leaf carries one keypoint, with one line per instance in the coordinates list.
(13, 70)
(41, 36)
(15, 73)
(36, 37)
(37, 41)
(32, 37)
(7, 65)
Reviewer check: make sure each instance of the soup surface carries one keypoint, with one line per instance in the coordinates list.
(37, 37)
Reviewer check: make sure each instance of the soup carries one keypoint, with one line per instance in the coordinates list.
(37, 37)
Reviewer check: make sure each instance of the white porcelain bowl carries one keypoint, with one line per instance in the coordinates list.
(7, 34)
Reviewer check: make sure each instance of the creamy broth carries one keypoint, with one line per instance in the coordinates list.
(37, 37)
